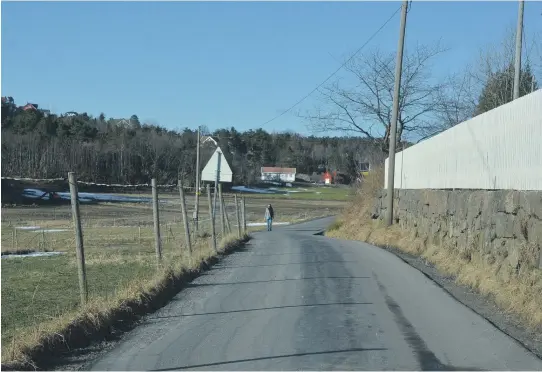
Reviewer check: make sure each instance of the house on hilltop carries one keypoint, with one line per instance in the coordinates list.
(35, 107)
(30, 106)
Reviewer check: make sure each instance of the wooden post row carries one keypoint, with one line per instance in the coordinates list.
(157, 240)
(244, 215)
(221, 204)
(226, 216)
(213, 234)
(238, 218)
(185, 219)
(79, 249)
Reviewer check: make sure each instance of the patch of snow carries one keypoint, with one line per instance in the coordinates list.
(33, 254)
(50, 230)
(249, 189)
(28, 227)
(88, 196)
(34, 194)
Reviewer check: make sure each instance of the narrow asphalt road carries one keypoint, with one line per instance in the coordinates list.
(294, 300)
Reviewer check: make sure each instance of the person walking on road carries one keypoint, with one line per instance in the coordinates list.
(269, 214)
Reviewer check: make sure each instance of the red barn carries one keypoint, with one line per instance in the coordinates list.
(327, 178)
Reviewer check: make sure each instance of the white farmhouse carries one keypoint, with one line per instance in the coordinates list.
(276, 174)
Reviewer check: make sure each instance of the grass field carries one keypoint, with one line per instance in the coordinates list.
(40, 295)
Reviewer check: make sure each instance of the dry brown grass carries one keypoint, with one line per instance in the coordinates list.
(75, 328)
(515, 293)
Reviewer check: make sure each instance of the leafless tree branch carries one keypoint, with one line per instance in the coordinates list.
(366, 107)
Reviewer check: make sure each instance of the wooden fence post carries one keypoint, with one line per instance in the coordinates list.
(221, 203)
(79, 249)
(185, 218)
(213, 234)
(226, 215)
(243, 215)
(238, 218)
(157, 240)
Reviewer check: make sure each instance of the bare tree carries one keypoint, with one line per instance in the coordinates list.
(366, 108)
(455, 102)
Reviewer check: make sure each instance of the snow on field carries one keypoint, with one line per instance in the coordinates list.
(251, 189)
(87, 197)
(271, 190)
(40, 194)
(35, 194)
(107, 197)
(33, 254)
(38, 229)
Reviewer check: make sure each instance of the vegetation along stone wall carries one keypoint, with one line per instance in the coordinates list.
(502, 226)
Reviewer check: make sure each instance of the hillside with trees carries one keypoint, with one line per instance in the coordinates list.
(38, 144)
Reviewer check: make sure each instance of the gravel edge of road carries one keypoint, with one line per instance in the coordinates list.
(482, 305)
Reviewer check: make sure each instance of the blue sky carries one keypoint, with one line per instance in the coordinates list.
(183, 64)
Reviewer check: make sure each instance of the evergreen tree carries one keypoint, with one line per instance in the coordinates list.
(499, 88)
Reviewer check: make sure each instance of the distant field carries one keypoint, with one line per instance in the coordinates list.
(119, 249)
(324, 193)
(320, 193)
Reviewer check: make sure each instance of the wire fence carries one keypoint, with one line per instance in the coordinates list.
(124, 249)
(120, 245)
(112, 224)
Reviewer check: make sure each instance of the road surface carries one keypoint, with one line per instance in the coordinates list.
(293, 300)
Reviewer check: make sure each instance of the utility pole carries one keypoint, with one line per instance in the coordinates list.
(196, 210)
(519, 36)
(395, 114)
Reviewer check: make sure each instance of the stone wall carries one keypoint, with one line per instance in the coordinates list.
(502, 225)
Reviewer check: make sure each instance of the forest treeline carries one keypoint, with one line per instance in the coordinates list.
(37, 144)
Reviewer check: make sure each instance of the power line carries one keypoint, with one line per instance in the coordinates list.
(337, 70)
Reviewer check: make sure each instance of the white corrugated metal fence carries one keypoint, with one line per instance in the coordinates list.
(500, 149)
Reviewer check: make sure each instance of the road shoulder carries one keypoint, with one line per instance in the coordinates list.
(484, 306)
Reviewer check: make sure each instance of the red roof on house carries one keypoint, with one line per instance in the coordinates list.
(278, 170)
(30, 106)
